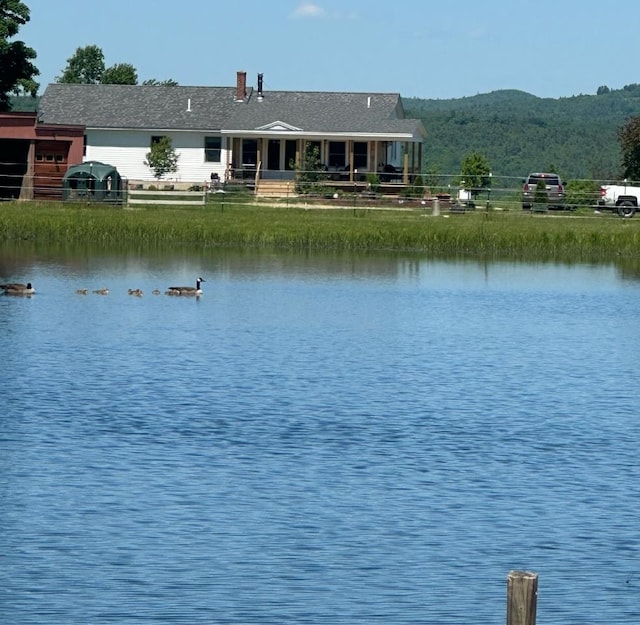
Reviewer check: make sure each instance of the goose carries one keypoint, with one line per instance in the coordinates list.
(186, 290)
(104, 291)
(136, 292)
(156, 291)
(82, 291)
(17, 288)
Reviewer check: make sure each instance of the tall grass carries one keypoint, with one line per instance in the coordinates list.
(510, 233)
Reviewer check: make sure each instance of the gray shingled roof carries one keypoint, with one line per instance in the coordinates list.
(324, 112)
(215, 109)
(137, 106)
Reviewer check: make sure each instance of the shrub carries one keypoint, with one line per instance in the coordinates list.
(582, 193)
(373, 181)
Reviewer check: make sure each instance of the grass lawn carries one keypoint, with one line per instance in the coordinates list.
(512, 232)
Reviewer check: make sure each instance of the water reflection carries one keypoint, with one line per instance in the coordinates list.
(19, 258)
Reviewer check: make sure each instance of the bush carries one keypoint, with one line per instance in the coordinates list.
(373, 181)
(582, 193)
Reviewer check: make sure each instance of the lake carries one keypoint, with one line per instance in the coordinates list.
(319, 438)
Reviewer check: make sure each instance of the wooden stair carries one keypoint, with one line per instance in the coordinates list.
(276, 188)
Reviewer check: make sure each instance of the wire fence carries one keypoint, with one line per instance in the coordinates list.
(16, 183)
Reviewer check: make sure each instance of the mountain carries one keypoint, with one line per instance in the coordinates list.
(518, 132)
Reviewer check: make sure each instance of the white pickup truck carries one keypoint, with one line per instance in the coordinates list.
(622, 198)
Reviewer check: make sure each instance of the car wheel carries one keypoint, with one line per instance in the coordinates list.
(627, 208)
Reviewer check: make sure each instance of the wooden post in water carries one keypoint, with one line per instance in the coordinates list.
(522, 596)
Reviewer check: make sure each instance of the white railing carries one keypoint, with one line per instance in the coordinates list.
(168, 198)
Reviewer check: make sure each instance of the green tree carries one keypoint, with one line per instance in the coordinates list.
(540, 196)
(310, 170)
(629, 139)
(582, 193)
(85, 66)
(162, 159)
(120, 74)
(475, 173)
(154, 82)
(16, 69)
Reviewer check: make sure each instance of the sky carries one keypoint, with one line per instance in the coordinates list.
(418, 48)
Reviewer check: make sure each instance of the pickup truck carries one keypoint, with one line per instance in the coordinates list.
(622, 198)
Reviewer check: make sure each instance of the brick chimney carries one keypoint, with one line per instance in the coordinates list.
(241, 86)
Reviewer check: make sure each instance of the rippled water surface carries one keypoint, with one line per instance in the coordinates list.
(317, 439)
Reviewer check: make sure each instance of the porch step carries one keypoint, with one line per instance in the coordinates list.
(276, 188)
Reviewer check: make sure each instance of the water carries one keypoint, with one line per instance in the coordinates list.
(317, 439)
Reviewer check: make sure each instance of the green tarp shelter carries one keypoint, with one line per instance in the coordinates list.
(92, 181)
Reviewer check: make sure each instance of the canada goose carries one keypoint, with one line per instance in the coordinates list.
(156, 291)
(186, 290)
(101, 291)
(17, 288)
(136, 292)
(82, 291)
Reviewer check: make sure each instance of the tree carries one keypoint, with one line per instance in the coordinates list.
(162, 158)
(475, 173)
(16, 70)
(85, 67)
(541, 196)
(120, 74)
(629, 139)
(582, 193)
(310, 170)
(154, 82)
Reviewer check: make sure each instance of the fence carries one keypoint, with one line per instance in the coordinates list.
(503, 190)
(166, 197)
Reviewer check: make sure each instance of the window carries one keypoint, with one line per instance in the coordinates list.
(212, 149)
(337, 154)
(249, 152)
(360, 154)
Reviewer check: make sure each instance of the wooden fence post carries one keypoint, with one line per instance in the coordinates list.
(522, 595)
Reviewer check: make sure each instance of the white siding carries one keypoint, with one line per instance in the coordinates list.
(127, 150)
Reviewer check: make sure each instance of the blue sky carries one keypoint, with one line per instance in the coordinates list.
(421, 48)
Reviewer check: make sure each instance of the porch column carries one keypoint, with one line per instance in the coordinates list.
(350, 149)
(405, 164)
(228, 174)
(260, 147)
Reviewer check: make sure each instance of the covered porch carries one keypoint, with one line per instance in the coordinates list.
(343, 162)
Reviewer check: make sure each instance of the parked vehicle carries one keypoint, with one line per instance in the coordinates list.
(622, 198)
(554, 194)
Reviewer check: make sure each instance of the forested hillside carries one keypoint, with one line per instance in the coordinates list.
(518, 132)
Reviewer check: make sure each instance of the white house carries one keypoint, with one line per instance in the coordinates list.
(238, 131)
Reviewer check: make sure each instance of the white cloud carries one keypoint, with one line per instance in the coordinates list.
(308, 10)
